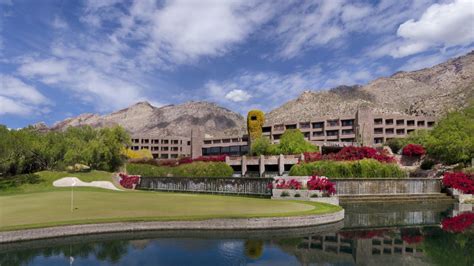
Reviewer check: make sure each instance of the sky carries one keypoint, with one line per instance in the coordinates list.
(61, 58)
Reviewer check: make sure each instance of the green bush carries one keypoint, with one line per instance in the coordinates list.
(366, 168)
(18, 180)
(396, 144)
(427, 164)
(195, 169)
(291, 142)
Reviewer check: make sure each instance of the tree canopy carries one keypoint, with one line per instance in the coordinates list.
(291, 142)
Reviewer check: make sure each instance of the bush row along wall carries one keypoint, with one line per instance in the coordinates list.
(366, 168)
(195, 169)
(241, 186)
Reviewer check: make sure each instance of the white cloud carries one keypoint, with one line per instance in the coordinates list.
(237, 95)
(441, 25)
(17, 97)
(59, 23)
(87, 83)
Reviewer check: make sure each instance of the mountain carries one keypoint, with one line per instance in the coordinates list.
(430, 91)
(176, 120)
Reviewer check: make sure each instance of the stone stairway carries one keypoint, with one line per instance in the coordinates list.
(396, 198)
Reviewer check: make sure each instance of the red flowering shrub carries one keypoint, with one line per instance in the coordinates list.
(412, 235)
(217, 158)
(290, 184)
(413, 150)
(129, 181)
(460, 181)
(351, 153)
(458, 223)
(321, 183)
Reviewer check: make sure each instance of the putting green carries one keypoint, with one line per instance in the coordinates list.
(42, 209)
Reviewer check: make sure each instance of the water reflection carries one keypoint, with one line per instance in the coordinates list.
(450, 241)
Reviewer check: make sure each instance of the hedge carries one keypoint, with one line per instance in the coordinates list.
(195, 169)
(366, 168)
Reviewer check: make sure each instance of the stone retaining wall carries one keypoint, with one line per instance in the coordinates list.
(381, 186)
(241, 186)
(212, 224)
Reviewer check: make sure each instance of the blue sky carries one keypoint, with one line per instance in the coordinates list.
(62, 58)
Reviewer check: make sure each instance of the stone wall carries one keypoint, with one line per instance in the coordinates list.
(380, 186)
(241, 186)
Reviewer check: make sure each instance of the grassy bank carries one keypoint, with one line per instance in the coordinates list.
(42, 205)
(43, 209)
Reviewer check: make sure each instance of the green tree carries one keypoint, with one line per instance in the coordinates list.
(263, 146)
(293, 142)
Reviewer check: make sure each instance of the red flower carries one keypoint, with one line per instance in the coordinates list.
(291, 184)
(321, 183)
(413, 150)
(460, 181)
(351, 153)
(129, 181)
(413, 239)
(458, 223)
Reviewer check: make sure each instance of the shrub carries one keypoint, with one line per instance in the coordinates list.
(195, 169)
(321, 183)
(396, 144)
(263, 146)
(293, 142)
(255, 121)
(129, 181)
(290, 184)
(351, 153)
(458, 223)
(460, 181)
(366, 168)
(413, 150)
(297, 195)
(140, 154)
(18, 180)
(427, 164)
(285, 194)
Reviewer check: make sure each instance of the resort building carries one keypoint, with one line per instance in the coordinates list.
(363, 128)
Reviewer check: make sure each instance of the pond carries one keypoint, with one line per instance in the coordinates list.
(371, 234)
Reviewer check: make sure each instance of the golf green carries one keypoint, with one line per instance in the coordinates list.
(51, 208)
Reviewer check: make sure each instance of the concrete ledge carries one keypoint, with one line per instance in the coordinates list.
(211, 224)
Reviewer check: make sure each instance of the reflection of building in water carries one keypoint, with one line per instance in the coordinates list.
(382, 248)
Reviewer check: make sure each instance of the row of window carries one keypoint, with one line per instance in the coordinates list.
(304, 125)
(161, 141)
(401, 122)
(390, 131)
(217, 141)
(165, 148)
(232, 150)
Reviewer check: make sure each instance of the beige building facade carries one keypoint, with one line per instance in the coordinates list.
(363, 128)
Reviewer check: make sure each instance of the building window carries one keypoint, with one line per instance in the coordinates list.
(164, 141)
(410, 130)
(388, 121)
(145, 141)
(332, 133)
(174, 156)
(306, 135)
(318, 134)
(189, 143)
(378, 140)
(420, 123)
(305, 125)
(347, 131)
(410, 123)
(400, 131)
(276, 136)
(174, 149)
(225, 150)
(226, 141)
(378, 130)
(378, 121)
(318, 125)
(347, 123)
(279, 127)
(164, 148)
(431, 123)
(235, 140)
(207, 142)
(400, 122)
(293, 126)
(333, 123)
(389, 131)
(234, 150)
(266, 129)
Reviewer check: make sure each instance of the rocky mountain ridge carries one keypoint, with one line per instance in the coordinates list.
(431, 91)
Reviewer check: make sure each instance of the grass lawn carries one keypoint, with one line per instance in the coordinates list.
(42, 205)
(48, 177)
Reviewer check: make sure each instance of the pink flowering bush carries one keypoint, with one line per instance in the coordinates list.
(458, 223)
(129, 181)
(321, 183)
(413, 150)
(460, 181)
(290, 184)
(351, 153)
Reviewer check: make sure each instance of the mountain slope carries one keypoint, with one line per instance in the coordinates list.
(176, 120)
(430, 91)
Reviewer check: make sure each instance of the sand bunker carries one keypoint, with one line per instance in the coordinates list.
(69, 181)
